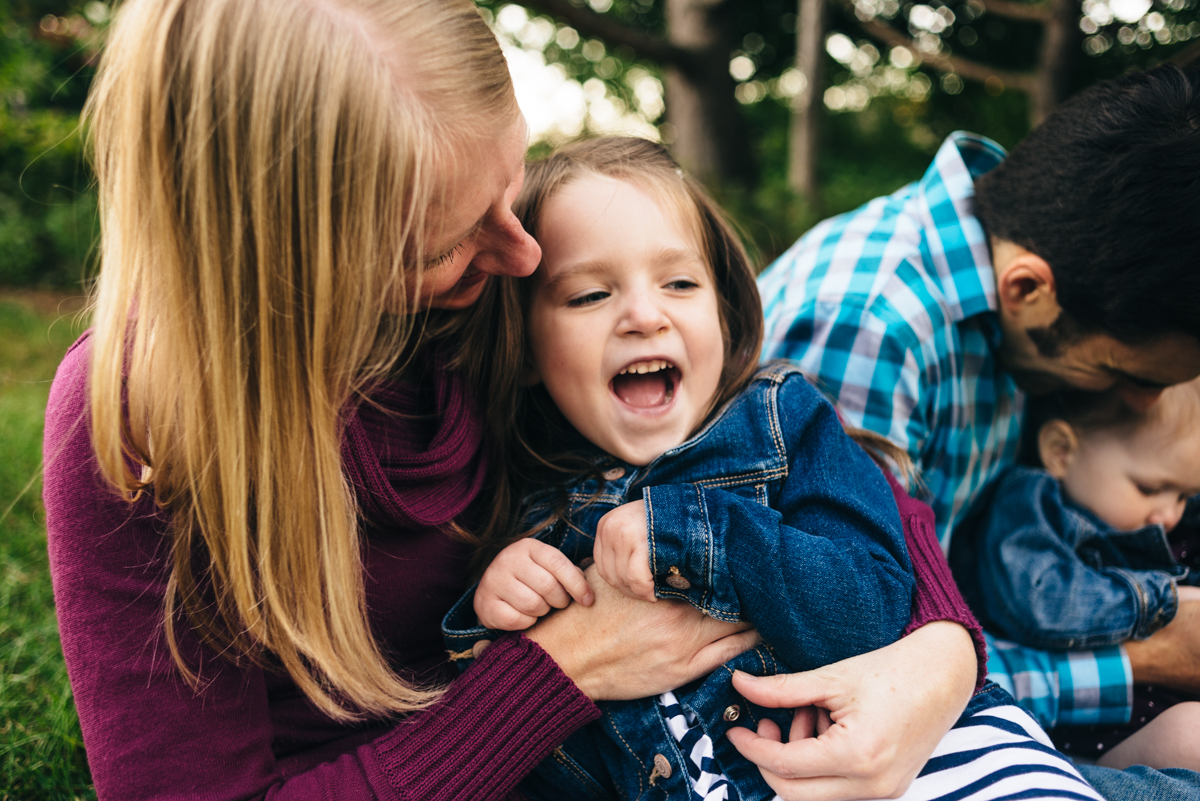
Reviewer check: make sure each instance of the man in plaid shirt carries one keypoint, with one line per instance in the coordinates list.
(927, 314)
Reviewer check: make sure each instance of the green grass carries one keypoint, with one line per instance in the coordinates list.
(41, 748)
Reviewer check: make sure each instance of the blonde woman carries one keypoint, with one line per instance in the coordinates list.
(263, 481)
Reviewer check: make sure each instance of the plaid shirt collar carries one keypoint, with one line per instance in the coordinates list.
(953, 239)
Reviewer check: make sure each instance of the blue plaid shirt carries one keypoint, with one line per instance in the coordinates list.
(892, 309)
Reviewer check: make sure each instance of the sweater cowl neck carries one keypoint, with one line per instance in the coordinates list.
(413, 448)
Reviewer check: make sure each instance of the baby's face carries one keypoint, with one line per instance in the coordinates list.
(1130, 480)
(624, 327)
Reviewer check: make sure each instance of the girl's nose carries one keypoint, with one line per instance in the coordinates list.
(642, 315)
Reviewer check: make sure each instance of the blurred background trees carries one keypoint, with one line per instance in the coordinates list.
(789, 109)
(796, 109)
(47, 210)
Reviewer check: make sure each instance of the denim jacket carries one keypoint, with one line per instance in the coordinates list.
(769, 514)
(1049, 574)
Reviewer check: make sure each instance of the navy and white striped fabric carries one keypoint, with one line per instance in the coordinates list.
(997, 754)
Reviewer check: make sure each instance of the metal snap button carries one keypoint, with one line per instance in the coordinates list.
(478, 647)
(662, 766)
(614, 473)
(732, 713)
(676, 580)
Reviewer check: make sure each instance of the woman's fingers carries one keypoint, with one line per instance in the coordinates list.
(874, 738)
(621, 648)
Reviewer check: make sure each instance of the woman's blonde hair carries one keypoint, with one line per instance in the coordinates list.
(264, 169)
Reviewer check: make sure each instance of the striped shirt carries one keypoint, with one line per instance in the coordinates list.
(891, 308)
(996, 754)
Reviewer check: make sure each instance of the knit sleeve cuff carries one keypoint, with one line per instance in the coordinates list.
(937, 596)
(495, 722)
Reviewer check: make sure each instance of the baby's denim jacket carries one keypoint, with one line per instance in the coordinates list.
(769, 514)
(1049, 574)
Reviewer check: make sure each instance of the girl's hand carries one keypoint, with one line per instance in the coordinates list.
(620, 649)
(622, 554)
(526, 580)
(888, 709)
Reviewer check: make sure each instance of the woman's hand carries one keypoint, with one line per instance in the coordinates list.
(889, 708)
(620, 648)
(525, 581)
(623, 553)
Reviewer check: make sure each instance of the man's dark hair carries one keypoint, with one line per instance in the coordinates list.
(1107, 191)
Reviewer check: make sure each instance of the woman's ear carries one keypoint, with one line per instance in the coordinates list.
(1057, 445)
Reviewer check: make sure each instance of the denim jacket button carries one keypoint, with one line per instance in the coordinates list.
(613, 474)
(662, 766)
(676, 580)
(478, 647)
(732, 713)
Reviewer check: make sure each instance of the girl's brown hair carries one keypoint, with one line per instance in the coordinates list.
(264, 171)
(535, 446)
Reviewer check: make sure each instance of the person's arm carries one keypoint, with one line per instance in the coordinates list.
(821, 572)
(1038, 591)
(148, 734)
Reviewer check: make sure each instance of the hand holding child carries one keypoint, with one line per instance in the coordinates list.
(525, 581)
(622, 554)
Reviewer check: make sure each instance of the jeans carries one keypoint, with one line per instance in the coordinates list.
(1141, 783)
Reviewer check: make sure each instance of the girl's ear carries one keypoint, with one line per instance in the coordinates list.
(530, 376)
(1057, 445)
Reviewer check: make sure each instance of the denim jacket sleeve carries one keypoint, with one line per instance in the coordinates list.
(821, 569)
(1036, 587)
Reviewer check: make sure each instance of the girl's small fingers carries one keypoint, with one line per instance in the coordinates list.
(823, 721)
(804, 723)
(503, 617)
(640, 580)
(567, 577)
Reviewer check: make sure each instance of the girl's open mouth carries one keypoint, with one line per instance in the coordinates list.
(646, 384)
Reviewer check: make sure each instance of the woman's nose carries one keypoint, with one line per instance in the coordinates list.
(507, 249)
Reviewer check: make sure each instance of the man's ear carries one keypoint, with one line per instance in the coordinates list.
(1025, 286)
(1057, 445)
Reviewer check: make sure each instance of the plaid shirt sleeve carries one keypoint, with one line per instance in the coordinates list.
(1064, 688)
(867, 362)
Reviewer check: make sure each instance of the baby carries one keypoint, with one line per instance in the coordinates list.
(1076, 555)
(647, 438)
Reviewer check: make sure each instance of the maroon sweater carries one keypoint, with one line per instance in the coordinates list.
(250, 733)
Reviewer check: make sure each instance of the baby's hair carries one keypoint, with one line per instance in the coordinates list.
(1092, 412)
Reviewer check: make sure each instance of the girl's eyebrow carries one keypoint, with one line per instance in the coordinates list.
(664, 258)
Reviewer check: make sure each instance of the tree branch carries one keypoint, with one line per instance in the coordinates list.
(1020, 11)
(972, 70)
(1186, 56)
(589, 23)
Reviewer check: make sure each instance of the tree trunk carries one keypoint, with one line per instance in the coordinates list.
(1062, 41)
(804, 137)
(711, 139)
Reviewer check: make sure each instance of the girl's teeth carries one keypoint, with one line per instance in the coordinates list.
(641, 368)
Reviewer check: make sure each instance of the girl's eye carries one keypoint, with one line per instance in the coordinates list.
(682, 284)
(1147, 491)
(588, 299)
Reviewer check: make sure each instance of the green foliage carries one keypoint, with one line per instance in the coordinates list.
(47, 203)
(41, 748)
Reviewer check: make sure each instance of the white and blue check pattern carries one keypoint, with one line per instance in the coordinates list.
(891, 309)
